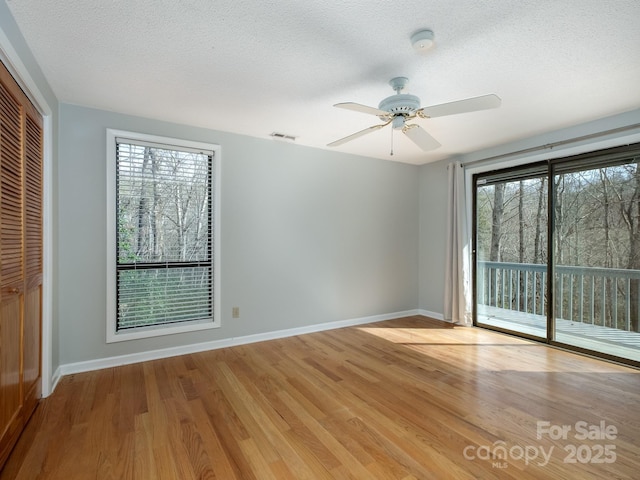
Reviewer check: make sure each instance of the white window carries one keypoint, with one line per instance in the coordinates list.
(162, 236)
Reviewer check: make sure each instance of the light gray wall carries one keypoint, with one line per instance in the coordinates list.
(308, 236)
(13, 34)
(433, 188)
(433, 220)
(19, 46)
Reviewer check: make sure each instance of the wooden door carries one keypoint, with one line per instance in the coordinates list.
(20, 260)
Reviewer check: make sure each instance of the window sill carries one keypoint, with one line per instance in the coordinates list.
(157, 331)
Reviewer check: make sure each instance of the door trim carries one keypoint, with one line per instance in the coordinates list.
(12, 61)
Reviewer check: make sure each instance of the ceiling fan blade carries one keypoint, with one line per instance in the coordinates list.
(356, 107)
(474, 104)
(420, 137)
(353, 136)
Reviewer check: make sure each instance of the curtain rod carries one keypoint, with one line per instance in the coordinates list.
(554, 144)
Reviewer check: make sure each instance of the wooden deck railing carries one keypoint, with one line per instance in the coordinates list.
(597, 296)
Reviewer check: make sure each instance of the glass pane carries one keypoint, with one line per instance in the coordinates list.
(164, 219)
(164, 208)
(165, 295)
(511, 255)
(597, 259)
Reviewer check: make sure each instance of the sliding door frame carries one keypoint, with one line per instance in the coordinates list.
(508, 173)
(566, 164)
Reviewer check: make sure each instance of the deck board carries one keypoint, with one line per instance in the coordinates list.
(595, 337)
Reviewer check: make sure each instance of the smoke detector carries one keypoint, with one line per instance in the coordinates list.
(422, 40)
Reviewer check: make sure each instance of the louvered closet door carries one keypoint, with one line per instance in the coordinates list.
(11, 275)
(20, 260)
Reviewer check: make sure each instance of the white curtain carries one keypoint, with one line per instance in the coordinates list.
(457, 288)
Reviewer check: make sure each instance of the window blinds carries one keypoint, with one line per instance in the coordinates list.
(164, 234)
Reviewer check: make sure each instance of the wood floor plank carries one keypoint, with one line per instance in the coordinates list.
(411, 398)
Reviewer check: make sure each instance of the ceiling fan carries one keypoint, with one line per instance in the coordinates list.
(400, 108)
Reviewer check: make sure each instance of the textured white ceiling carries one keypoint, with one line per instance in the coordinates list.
(258, 66)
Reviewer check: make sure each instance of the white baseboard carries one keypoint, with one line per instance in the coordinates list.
(100, 363)
(57, 375)
(427, 313)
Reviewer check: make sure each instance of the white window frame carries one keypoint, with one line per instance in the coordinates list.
(113, 335)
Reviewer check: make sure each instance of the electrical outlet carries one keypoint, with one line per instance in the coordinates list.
(235, 312)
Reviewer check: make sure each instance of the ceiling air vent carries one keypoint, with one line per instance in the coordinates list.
(283, 136)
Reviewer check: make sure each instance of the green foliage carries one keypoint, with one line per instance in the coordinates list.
(156, 296)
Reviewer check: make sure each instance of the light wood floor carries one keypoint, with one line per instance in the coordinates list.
(405, 399)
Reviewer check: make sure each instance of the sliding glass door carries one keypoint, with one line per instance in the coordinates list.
(557, 252)
(596, 260)
(511, 250)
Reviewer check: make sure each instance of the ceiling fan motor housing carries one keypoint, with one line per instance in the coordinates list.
(401, 104)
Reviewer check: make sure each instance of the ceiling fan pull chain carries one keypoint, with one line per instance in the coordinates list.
(391, 153)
